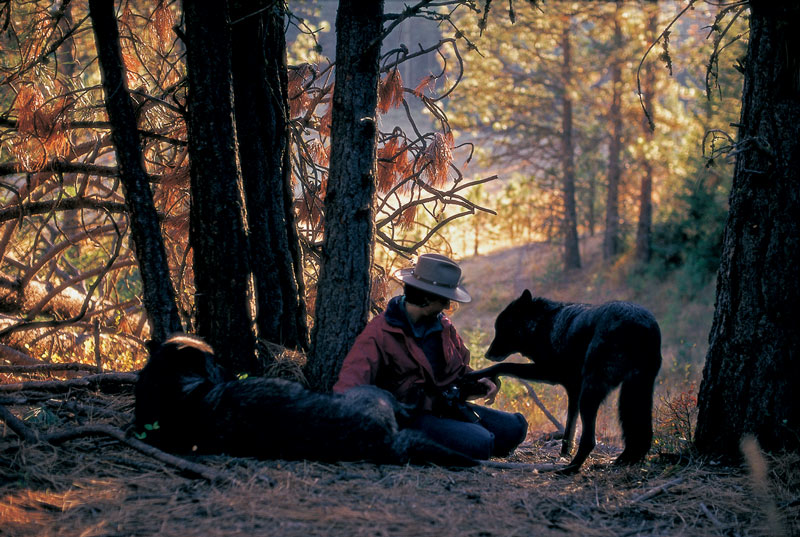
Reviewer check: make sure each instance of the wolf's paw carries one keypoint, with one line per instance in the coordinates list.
(570, 469)
(626, 459)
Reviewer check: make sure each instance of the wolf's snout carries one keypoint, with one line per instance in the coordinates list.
(494, 354)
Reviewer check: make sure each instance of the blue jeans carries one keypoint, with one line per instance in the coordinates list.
(496, 434)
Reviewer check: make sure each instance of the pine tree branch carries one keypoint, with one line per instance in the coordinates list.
(14, 212)
(60, 166)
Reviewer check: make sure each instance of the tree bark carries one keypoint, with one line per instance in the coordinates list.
(343, 292)
(611, 239)
(262, 110)
(572, 256)
(217, 230)
(159, 295)
(750, 380)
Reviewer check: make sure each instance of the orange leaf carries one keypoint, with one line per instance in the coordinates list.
(426, 83)
(407, 217)
(390, 92)
(437, 159)
(162, 22)
(326, 120)
(29, 101)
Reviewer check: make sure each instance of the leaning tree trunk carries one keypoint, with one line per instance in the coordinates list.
(217, 232)
(159, 295)
(644, 227)
(611, 239)
(262, 110)
(572, 256)
(342, 305)
(752, 373)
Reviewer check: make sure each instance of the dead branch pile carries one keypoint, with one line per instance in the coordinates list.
(98, 481)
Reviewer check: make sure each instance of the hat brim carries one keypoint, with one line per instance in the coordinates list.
(458, 293)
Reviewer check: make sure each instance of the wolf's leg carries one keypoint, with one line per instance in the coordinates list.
(636, 417)
(591, 398)
(573, 397)
(513, 369)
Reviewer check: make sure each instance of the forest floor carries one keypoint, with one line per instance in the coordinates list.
(102, 486)
(99, 487)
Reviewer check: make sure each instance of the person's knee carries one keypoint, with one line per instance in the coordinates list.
(477, 444)
(514, 433)
(523, 428)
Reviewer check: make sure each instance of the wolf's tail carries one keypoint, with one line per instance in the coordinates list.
(416, 447)
(636, 415)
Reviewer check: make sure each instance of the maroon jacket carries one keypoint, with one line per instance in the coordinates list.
(384, 356)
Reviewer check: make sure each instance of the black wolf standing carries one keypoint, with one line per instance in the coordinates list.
(589, 350)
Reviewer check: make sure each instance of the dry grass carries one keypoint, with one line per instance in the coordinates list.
(93, 487)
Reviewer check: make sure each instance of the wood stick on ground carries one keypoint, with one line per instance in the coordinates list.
(182, 464)
(47, 368)
(27, 434)
(15, 357)
(103, 381)
(521, 466)
(541, 406)
(652, 493)
(710, 515)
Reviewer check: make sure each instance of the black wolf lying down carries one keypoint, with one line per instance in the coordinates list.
(186, 403)
(590, 350)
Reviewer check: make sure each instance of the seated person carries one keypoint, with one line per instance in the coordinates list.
(413, 351)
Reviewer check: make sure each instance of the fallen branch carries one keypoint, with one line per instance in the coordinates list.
(18, 426)
(182, 464)
(657, 490)
(541, 406)
(47, 368)
(521, 466)
(29, 436)
(103, 382)
(27, 399)
(15, 357)
(87, 410)
(711, 516)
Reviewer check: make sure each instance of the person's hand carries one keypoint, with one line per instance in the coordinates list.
(491, 390)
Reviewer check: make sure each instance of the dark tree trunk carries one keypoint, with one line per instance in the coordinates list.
(262, 109)
(645, 224)
(572, 256)
(159, 295)
(752, 373)
(590, 217)
(217, 233)
(343, 297)
(611, 239)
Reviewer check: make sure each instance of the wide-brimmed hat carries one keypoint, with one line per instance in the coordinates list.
(435, 274)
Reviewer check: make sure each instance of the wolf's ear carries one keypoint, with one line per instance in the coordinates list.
(526, 296)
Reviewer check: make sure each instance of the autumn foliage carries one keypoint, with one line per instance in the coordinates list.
(68, 277)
